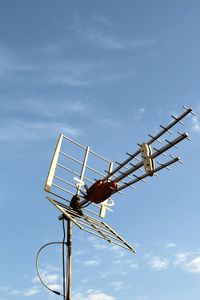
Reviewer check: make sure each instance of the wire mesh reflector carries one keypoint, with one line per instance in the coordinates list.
(92, 225)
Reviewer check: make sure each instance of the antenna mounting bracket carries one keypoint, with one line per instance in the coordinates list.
(146, 153)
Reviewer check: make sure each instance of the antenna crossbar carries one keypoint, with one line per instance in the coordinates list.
(153, 139)
(164, 165)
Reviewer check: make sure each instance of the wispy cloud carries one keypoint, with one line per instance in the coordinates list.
(180, 258)
(92, 296)
(91, 263)
(188, 261)
(24, 292)
(51, 277)
(158, 263)
(139, 113)
(193, 266)
(10, 62)
(62, 71)
(117, 285)
(51, 107)
(117, 251)
(99, 245)
(102, 20)
(67, 72)
(101, 39)
(196, 124)
(170, 245)
(25, 130)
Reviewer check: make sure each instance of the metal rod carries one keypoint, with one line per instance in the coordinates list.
(69, 260)
(65, 181)
(176, 120)
(100, 232)
(71, 157)
(74, 142)
(154, 138)
(94, 170)
(52, 168)
(169, 145)
(159, 152)
(83, 168)
(62, 189)
(67, 207)
(131, 156)
(119, 237)
(189, 109)
(92, 152)
(73, 172)
(107, 233)
(81, 163)
(67, 169)
(145, 175)
(100, 156)
(140, 169)
(166, 129)
(125, 167)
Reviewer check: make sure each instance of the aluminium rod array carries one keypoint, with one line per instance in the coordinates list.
(154, 155)
(153, 139)
(138, 178)
(92, 225)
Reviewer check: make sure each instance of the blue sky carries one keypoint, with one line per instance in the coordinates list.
(104, 73)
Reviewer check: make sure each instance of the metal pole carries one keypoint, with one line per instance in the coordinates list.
(69, 260)
(83, 168)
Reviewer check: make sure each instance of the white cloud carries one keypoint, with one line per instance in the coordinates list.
(60, 71)
(92, 296)
(100, 296)
(132, 264)
(50, 277)
(99, 245)
(139, 113)
(101, 39)
(170, 245)
(102, 20)
(186, 262)
(78, 253)
(4, 288)
(196, 124)
(10, 62)
(126, 262)
(25, 293)
(27, 130)
(91, 263)
(119, 252)
(193, 266)
(52, 107)
(47, 276)
(181, 258)
(158, 263)
(117, 285)
(143, 297)
(30, 292)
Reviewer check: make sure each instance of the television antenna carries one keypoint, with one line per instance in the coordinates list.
(82, 182)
